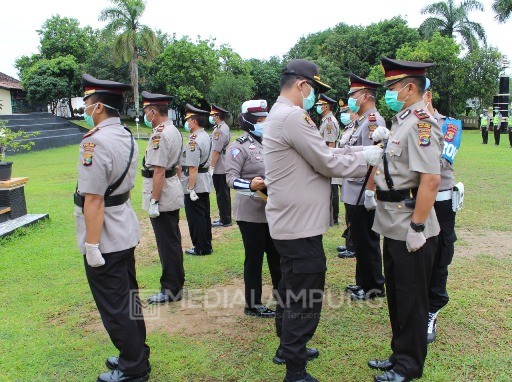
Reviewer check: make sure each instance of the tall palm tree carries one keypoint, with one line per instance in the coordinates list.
(449, 19)
(133, 40)
(503, 9)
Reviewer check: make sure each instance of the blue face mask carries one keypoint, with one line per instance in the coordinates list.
(88, 118)
(392, 101)
(319, 109)
(309, 101)
(352, 104)
(147, 122)
(211, 120)
(187, 127)
(345, 118)
(258, 129)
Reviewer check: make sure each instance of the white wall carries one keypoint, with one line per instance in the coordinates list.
(5, 101)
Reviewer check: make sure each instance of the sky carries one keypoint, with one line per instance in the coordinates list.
(258, 29)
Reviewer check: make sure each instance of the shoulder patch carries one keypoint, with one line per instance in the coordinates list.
(372, 117)
(451, 132)
(234, 152)
(424, 132)
(91, 132)
(308, 119)
(192, 145)
(89, 146)
(156, 142)
(216, 136)
(87, 159)
(371, 129)
(405, 114)
(421, 114)
(329, 129)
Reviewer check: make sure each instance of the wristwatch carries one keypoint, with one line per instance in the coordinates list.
(418, 227)
(153, 202)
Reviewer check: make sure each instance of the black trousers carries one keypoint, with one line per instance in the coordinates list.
(257, 240)
(349, 243)
(335, 201)
(303, 266)
(510, 136)
(437, 293)
(485, 135)
(168, 242)
(367, 247)
(407, 281)
(223, 197)
(199, 222)
(497, 133)
(115, 290)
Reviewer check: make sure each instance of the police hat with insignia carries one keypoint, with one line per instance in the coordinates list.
(323, 100)
(358, 83)
(92, 86)
(256, 107)
(149, 99)
(306, 69)
(397, 70)
(217, 110)
(191, 111)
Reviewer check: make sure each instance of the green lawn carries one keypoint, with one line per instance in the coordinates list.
(50, 330)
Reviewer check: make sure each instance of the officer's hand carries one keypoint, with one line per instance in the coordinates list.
(153, 211)
(93, 255)
(415, 240)
(193, 195)
(210, 170)
(369, 200)
(258, 184)
(380, 133)
(372, 155)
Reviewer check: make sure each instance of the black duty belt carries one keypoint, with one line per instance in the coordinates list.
(110, 201)
(149, 173)
(396, 196)
(200, 170)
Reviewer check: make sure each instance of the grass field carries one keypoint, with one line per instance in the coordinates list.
(50, 329)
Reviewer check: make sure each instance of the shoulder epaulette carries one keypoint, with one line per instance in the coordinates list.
(421, 114)
(405, 114)
(361, 118)
(160, 128)
(243, 139)
(372, 117)
(193, 137)
(91, 132)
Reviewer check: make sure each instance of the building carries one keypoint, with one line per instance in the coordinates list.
(12, 97)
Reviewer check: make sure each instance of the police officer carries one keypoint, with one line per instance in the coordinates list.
(509, 127)
(484, 126)
(407, 184)
(496, 126)
(107, 228)
(330, 131)
(361, 210)
(220, 141)
(437, 294)
(298, 165)
(245, 172)
(197, 181)
(162, 195)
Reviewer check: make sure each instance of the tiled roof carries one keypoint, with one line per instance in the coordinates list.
(8, 82)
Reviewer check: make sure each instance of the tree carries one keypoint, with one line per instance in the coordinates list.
(134, 40)
(450, 19)
(266, 76)
(503, 9)
(49, 81)
(231, 91)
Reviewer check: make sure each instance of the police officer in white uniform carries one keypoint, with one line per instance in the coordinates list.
(107, 228)
(162, 194)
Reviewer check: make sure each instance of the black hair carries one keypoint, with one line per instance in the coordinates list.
(162, 110)
(287, 80)
(201, 120)
(221, 115)
(115, 101)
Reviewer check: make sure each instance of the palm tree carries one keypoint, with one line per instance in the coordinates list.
(132, 38)
(503, 9)
(449, 19)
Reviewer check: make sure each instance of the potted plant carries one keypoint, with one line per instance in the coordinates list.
(13, 141)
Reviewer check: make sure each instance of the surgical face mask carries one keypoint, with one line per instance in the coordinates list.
(345, 118)
(258, 129)
(309, 101)
(392, 101)
(147, 122)
(211, 120)
(319, 109)
(187, 127)
(352, 104)
(88, 118)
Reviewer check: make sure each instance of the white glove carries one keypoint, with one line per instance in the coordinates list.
(369, 200)
(380, 133)
(415, 240)
(372, 155)
(193, 195)
(210, 170)
(153, 210)
(93, 255)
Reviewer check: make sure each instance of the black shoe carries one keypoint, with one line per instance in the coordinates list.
(260, 311)
(346, 254)
(383, 365)
(352, 288)
(112, 363)
(278, 359)
(390, 376)
(341, 248)
(193, 252)
(118, 376)
(299, 376)
(161, 298)
(361, 295)
(218, 223)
